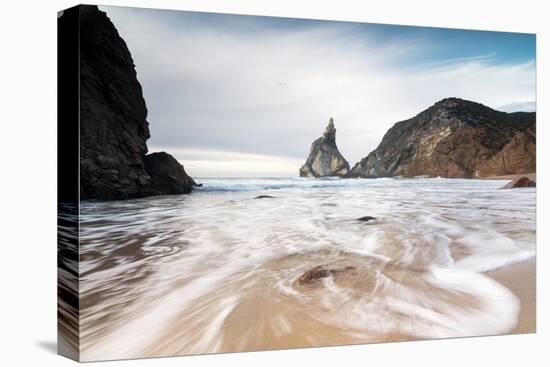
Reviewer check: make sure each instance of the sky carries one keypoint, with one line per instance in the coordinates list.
(245, 96)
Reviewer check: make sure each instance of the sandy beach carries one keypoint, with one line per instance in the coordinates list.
(521, 280)
(532, 176)
(217, 271)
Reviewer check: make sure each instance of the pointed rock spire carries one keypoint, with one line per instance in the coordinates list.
(330, 132)
(324, 158)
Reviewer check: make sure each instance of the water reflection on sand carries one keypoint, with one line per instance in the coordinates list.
(216, 271)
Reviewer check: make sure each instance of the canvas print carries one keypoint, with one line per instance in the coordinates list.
(236, 183)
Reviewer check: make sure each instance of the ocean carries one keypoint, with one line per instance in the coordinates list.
(217, 270)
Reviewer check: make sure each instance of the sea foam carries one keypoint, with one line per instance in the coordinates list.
(171, 274)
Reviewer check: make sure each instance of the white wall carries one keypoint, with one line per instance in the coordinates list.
(28, 183)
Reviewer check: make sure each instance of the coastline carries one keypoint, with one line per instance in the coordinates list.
(521, 280)
(245, 255)
(532, 176)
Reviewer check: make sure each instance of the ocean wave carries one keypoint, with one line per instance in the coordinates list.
(156, 274)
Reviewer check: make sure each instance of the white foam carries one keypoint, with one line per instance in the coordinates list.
(149, 260)
(490, 250)
(395, 308)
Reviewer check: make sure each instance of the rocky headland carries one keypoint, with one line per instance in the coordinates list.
(455, 138)
(324, 158)
(113, 121)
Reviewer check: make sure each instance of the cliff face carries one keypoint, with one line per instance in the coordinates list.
(113, 115)
(455, 138)
(324, 158)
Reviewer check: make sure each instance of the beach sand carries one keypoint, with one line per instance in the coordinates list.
(218, 273)
(521, 280)
(531, 176)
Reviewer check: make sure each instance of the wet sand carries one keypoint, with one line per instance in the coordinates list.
(531, 176)
(521, 280)
(219, 271)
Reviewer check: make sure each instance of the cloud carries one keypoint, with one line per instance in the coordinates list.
(256, 87)
(203, 163)
(519, 107)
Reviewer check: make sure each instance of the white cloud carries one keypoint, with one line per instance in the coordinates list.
(271, 92)
(202, 163)
(519, 106)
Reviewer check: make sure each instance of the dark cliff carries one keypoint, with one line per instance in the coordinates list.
(113, 118)
(458, 139)
(167, 175)
(324, 158)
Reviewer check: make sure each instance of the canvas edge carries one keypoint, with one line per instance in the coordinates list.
(68, 196)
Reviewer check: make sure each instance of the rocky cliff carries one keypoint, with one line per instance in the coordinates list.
(113, 118)
(324, 158)
(167, 175)
(455, 138)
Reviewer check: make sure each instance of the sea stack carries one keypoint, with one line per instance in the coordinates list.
(324, 158)
(113, 121)
(455, 138)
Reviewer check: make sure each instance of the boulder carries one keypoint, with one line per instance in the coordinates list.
(519, 182)
(367, 219)
(167, 175)
(319, 272)
(324, 158)
(264, 197)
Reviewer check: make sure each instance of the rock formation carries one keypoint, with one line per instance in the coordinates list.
(519, 182)
(113, 120)
(319, 272)
(167, 175)
(367, 219)
(264, 197)
(324, 158)
(455, 138)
